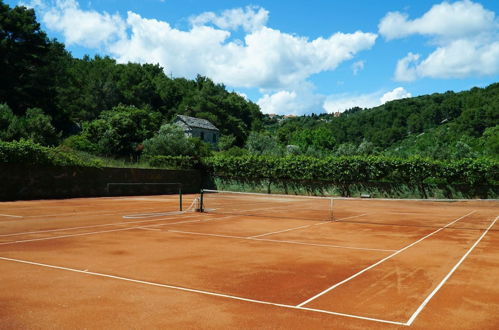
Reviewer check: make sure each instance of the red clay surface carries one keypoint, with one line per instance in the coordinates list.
(78, 263)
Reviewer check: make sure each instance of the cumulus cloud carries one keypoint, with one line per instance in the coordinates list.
(267, 58)
(273, 61)
(342, 102)
(250, 18)
(465, 33)
(296, 101)
(396, 94)
(86, 28)
(451, 20)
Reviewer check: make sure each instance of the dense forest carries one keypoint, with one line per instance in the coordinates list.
(441, 126)
(101, 107)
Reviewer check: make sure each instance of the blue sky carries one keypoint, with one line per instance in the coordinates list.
(293, 57)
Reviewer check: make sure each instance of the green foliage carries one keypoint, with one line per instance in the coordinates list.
(440, 126)
(491, 141)
(120, 131)
(263, 144)
(171, 141)
(38, 127)
(82, 143)
(28, 152)
(31, 64)
(35, 126)
(318, 139)
(173, 162)
(348, 172)
(226, 142)
(8, 130)
(234, 152)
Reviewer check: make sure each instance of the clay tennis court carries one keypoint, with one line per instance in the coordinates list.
(249, 261)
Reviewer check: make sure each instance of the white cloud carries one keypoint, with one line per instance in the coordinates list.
(404, 71)
(465, 33)
(396, 94)
(342, 102)
(275, 62)
(86, 28)
(357, 66)
(250, 18)
(298, 101)
(450, 20)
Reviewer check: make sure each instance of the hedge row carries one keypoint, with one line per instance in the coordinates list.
(173, 162)
(350, 172)
(28, 152)
(346, 173)
(357, 169)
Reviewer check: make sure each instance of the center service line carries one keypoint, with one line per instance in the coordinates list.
(209, 293)
(427, 300)
(381, 261)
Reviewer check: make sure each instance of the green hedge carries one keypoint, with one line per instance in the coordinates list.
(28, 152)
(348, 172)
(173, 162)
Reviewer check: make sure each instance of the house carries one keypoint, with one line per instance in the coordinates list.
(200, 128)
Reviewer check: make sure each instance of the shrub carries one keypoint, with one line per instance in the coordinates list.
(28, 152)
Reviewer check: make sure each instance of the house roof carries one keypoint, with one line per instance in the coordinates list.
(197, 122)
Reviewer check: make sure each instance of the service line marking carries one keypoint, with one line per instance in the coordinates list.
(306, 226)
(115, 230)
(86, 227)
(456, 266)
(280, 231)
(380, 261)
(103, 231)
(209, 293)
(277, 241)
(10, 216)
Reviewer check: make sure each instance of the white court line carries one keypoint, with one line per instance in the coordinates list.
(90, 226)
(280, 231)
(179, 288)
(146, 228)
(427, 300)
(100, 232)
(353, 216)
(112, 230)
(65, 236)
(380, 261)
(301, 227)
(277, 241)
(10, 216)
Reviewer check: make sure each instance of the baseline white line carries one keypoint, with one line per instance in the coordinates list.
(456, 266)
(278, 241)
(380, 261)
(209, 293)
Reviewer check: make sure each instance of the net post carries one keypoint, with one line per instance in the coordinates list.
(331, 205)
(201, 205)
(180, 195)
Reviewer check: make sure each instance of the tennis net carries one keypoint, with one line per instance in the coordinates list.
(476, 214)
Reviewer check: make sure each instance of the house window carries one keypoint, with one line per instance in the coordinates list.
(214, 138)
(201, 135)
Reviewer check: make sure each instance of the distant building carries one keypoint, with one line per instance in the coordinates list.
(200, 128)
